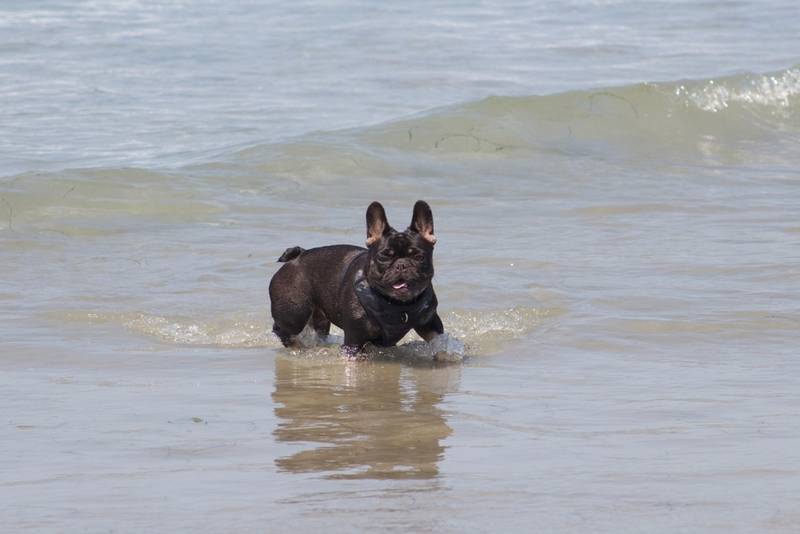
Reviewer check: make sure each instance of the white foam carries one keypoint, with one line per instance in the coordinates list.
(468, 332)
(236, 333)
(769, 90)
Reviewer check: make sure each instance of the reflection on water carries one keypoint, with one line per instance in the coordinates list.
(362, 419)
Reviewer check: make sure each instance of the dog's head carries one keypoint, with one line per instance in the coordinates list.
(400, 263)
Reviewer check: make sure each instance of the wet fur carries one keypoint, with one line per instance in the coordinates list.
(316, 287)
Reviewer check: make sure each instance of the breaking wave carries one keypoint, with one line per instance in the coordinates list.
(733, 120)
(716, 120)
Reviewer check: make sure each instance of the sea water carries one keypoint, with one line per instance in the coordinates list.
(615, 192)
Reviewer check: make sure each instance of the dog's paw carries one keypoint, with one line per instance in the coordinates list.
(446, 348)
(353, 352)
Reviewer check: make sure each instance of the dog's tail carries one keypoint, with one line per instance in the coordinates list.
(291, 253)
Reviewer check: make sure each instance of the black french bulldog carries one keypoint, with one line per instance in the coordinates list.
(375, 294)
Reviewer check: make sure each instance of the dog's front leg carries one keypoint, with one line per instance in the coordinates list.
(431, 329)
(353, 347)
(444, 347)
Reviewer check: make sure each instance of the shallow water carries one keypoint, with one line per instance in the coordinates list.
(615, 192)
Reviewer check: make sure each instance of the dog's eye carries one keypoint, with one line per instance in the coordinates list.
(416, 254)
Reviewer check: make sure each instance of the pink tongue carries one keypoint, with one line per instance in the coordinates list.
(400, 285)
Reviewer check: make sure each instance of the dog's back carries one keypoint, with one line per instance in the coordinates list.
(307, 288)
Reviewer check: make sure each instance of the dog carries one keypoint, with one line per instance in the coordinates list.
(375, 294)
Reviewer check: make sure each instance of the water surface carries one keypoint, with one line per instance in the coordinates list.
(615, 192)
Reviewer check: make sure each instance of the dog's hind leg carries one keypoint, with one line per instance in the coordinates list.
(320, 323)
(291, 310)
(288, 326)
(287, 335)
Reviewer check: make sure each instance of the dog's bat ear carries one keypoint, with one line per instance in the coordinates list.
(377, 225)
(422, 221)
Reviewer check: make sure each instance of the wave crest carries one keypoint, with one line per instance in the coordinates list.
(777, 92)
(718, 120)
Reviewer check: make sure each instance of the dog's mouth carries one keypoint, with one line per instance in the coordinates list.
(402, 288)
